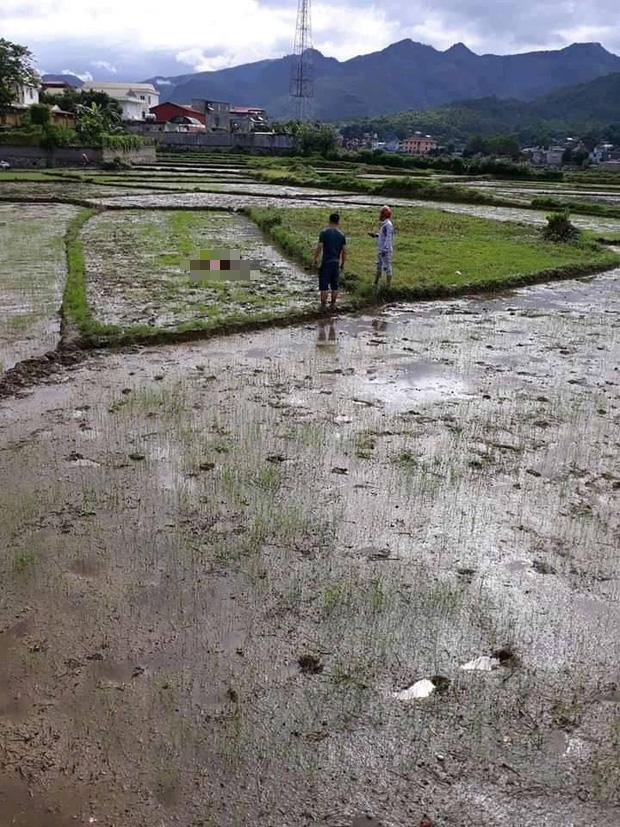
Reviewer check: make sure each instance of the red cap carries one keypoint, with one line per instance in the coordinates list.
(386, 212)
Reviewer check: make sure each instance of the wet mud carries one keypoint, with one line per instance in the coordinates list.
(135, 274)
(320, 517)
(32, 276)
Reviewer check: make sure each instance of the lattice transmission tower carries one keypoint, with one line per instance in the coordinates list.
(302, 76)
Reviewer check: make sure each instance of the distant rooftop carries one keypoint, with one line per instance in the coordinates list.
(93, 85)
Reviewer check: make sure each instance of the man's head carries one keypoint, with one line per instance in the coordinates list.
(334, 218)
(385, 213)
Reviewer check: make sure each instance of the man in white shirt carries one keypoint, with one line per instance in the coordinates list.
(385, 246)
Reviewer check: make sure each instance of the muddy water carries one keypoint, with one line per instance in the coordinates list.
(32, 274)
(393, 495)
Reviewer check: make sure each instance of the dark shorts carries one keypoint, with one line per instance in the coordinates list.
(329, 276)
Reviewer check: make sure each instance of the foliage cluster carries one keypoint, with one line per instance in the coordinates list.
(559, 228)
(16, 69)
(452, 164)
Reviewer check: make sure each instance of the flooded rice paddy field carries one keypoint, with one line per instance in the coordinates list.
(32, 276)
(133, 261)
(44, 190)
(225, 560)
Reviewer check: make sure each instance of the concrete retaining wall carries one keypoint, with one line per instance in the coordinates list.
(252, 140)
(27, 157)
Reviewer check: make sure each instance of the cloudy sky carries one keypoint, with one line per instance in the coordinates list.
(115, 39)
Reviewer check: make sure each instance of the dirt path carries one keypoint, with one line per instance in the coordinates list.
(222, 560)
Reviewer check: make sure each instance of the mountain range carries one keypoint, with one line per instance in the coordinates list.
(403, 76)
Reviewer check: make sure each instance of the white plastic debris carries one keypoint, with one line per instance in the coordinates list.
(420, 689)
(482, 664)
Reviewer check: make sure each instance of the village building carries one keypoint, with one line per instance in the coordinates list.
(178, 113)
(555, 156)
(418, 144)
(247, 119)
(217, 114)
(135, 99)
(56, 87)
(25, 96)
(601, 153)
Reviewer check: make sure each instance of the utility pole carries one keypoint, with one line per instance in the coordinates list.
(302, 78)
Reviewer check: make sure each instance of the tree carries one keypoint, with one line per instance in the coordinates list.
(16, 69)
(476, 145)
(316, 137)
(580, 156)
(72, 98)
(504, 145)
(93, 122)
(612, 134)
(591, 139)
(39, 115)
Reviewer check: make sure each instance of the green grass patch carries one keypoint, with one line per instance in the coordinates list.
(11, 175)
(437, 253)
(580, 207)
(77, 317)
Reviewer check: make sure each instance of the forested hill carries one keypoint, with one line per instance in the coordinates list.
(572, 109)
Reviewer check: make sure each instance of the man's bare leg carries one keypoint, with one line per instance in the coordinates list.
(334, 297)
(324, 297)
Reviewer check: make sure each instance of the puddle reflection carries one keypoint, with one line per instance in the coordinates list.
(326, 333)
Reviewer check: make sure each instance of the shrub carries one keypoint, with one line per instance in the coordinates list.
(39, 114)
(116, 165)
(54, 136)
(123, 143)
(559, 228)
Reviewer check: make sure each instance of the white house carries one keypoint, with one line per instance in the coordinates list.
(25, 96)
(135, 99)
(601, 153)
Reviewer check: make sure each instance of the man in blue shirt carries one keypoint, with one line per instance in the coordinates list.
(333, 247)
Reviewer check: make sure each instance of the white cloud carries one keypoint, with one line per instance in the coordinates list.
(104, 66)
(110, 33)
(163, 82)
(84, 76)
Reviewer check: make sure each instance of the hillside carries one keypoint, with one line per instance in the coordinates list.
(574, 108)
(404, 76)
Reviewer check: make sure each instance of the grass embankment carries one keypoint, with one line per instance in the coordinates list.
(579, 207)
(397, 187)
(15, 175)
(423, 189)
(438, 253)
(78, 324)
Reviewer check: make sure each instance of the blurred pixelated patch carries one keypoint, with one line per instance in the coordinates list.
(220, 265)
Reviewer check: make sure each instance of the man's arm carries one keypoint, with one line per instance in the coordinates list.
(317, 252)
(343, 257)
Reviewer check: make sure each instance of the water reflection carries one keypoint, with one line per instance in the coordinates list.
(326, 333)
